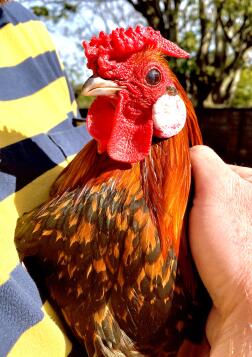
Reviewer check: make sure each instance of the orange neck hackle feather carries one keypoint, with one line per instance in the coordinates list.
(171, 196)
(167, 178)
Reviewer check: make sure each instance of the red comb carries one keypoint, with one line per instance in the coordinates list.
(121, 43)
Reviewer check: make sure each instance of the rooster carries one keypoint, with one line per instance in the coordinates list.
(112, 234)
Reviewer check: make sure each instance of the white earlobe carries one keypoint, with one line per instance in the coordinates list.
(169, 115)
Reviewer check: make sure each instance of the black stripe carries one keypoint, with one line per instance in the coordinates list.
(29, 76)
(24, 161)
(20, 308)
(14, 13)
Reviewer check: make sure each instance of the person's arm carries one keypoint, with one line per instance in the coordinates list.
(37, 139)
(221, 243)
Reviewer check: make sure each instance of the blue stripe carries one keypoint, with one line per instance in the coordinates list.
(29, 76)
(70, 139)
(20, 308)
(25, 160)
(70, 89)
(64, 125)
(14, 13)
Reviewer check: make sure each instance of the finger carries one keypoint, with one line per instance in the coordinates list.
(242, 171)
(209, 170)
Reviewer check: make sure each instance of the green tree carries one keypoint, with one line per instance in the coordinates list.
(217, 33)
(243, 93)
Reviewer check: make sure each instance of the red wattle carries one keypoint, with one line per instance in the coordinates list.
(100, 121)
(131, 135)
(125, 135)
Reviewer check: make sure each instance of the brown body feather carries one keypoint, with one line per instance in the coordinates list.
(111, 233)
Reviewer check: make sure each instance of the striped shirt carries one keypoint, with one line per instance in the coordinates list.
(37, 139)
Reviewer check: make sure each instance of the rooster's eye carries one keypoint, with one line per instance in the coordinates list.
(153, 77)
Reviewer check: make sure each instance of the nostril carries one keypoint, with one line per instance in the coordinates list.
(171, 90)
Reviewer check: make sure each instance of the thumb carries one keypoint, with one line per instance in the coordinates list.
(214, 223)
(209, 171)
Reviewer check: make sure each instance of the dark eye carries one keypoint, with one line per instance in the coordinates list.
(153, 77)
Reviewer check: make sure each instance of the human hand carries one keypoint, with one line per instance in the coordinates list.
(221, 243)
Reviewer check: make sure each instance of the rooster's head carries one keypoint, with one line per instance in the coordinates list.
(138, 96)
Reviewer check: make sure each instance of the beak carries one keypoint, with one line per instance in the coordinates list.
(95, 86)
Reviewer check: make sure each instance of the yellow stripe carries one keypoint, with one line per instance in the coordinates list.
(75, 108)
(44, 339)
(29, 116)
(48, 310)
(15, 50)
(14, 206)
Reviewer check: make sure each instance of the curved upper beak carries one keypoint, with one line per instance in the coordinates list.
(95, 86)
